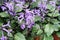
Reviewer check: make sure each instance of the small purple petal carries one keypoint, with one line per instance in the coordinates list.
(12, 13)
(58, 7)
(22, 26)
(3, 8)
(8, 31)
(3, 37)
(52, 3)
(9, 6)
(8, 24)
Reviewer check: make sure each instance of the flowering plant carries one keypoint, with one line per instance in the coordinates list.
(26, 19)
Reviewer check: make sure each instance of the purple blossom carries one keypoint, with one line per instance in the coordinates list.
(58, 7)
(10, 6)
(29, 18)
(21, 17)
(52, 3)
(45, 0)
(28, 13)
(11, 13)
(3, 8)
(37, 12)
(19, 1)
(8, 24)
(42, 5)
(22, 26)
(20, 6)
(30, 25)
(8, 31)
(3, 37)
(34, 0)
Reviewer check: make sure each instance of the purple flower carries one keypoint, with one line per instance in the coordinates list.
(17, 1)
(21, 17)
(42, 5)
(29, 18)
(22, 26)
(58, 7)
(3, 8)
(8, 24)
(11, 13)
(3, 37)
(8, 31)
(37, 12)
(19, 5)
(10, 6)
(33, 0)
(28, 13)
(52, 3)
(30, 25)
(45, 0)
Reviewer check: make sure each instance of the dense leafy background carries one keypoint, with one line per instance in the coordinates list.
(42, 28)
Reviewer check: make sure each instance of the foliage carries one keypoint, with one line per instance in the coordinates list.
(24, 20)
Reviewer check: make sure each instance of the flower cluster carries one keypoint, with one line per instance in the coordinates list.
(25, 14)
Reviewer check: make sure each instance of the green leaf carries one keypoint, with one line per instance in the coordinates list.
(48, 38)
(39, 32)
(1, 23)
(30, 38)
(58, 17)
(50, 7)
(37, 18)
(33, 4)
(56, 27)
(50, 14)
(48, 29)
(18, 9)
(10, 38)
(36, 27)
(10, 35)
(54, 14)
(4, 14)
(55, 21)
(0, 33)
(19, 36)
(58, 34)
